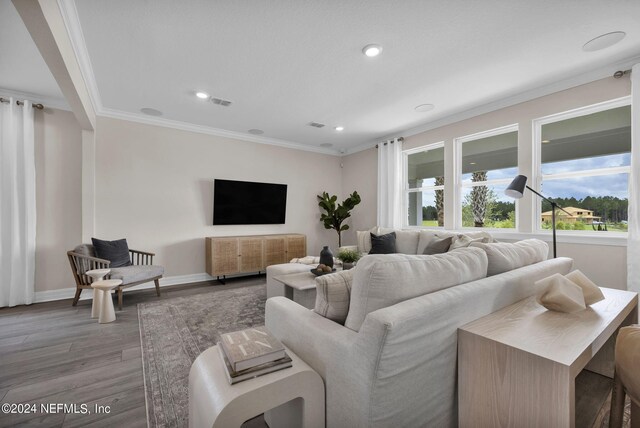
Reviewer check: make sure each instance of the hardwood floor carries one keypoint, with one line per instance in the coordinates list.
(53, 353)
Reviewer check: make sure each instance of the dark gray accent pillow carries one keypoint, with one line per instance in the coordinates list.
(117, 252)
(383, 244)
(438, 246)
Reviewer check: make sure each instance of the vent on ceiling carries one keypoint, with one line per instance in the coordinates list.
(316, 124)
(221, 102)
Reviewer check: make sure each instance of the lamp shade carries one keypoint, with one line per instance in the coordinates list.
(516, 188)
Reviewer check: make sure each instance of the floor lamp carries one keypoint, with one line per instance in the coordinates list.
(516, 190)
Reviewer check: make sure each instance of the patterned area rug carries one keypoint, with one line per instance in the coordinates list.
(174, 332)
(602, 420)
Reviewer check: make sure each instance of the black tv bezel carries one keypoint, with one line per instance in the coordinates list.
(247, 223)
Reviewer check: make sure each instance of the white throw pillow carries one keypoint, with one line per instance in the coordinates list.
(364, 239)
(383, 280)
(407, 241)
(462, 241)
(506, 256)
(333, 293)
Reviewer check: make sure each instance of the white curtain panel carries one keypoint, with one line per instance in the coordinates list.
(633, 244)
(390, 184)
(17, 204)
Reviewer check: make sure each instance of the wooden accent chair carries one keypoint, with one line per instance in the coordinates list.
(83, 259)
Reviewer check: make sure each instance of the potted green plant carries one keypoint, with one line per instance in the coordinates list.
(348, 258)
(336, 214)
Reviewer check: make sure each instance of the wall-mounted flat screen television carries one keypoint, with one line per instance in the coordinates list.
(244, 202)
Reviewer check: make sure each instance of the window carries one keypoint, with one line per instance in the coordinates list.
(487, 162)
(585, 158)
(424, 186)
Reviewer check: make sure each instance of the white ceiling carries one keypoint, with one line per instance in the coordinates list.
(22, 69)
(284, 64)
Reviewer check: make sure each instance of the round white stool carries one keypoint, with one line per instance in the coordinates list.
(104, 287)
(96, 275)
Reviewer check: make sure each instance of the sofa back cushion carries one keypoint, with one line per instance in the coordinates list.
(333, 293)
(506, 256)
(384, 280)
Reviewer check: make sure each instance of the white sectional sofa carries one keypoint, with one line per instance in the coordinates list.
(393, 362)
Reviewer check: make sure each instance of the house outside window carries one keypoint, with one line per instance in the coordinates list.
(424, 186)
(486, 164)
(584, 166)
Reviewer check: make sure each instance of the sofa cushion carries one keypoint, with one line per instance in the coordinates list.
(364, 239)
(384, 280)
(438, 246)
(117, 252)
(506, 256)
(462, 241)
(333, 293)
(429, 235)
(136, 273)
(407, 241)
(383, 244)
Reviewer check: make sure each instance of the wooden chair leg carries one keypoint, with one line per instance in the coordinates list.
(157, 281)
(77, 297)
(635, 416)
(617, 403)
(119, 298)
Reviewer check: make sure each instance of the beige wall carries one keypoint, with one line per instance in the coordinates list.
(154, 186)
(360, 172)
(604, 263)
(58, 153)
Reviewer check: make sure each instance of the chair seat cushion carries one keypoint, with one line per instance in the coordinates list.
(136, 273)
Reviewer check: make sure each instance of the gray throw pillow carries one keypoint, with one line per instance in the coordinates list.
(438, 246)
(117, 252)
(383, 244)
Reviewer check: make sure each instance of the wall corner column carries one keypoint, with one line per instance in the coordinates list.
(88, 185)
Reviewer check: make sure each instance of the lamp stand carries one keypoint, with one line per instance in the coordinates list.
(554, 206)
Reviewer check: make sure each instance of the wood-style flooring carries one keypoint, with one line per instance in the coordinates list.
(53, 353)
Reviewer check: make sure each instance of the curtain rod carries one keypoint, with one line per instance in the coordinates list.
(392, 141)
(20, 103)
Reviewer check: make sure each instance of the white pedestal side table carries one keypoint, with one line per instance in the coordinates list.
(297, 392)
(96, 275)
(107, 313)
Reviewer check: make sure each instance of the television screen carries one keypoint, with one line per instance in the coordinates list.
(244, 202)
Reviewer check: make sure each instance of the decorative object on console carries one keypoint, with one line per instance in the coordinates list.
(516, 190)
(326, 256)
(336, 215)
(570, 293)
(348, 258)
(560, 294)
(383, 244)
(322, 270)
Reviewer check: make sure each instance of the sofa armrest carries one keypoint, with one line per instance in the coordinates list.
(312, 337)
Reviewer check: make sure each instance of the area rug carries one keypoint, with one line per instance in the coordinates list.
(174, 332)
(602, 420)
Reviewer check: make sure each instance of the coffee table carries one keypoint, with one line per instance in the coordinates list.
(300, 287)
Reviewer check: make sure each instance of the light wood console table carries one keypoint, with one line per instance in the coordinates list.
(235, 255)
(517, 366)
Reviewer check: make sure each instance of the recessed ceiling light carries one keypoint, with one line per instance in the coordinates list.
(545, 141)
(256, 131)
(202, 95)
(326, 145)
(339, 128)
(424, 107)
(151, 111)
(603, 41)
(372, 50)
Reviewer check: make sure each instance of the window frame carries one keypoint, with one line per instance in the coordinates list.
(406, 190)
(538, 176)
(459, 185)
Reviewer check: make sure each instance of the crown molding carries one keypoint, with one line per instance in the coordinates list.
(50, 102)
(71, 21)
(200, 129)
(541, 91)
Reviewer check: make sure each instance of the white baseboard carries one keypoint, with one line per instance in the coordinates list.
(68, 293)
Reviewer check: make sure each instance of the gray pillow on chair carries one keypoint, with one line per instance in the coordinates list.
(117, 252)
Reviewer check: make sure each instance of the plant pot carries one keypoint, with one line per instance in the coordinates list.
(347, 266)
